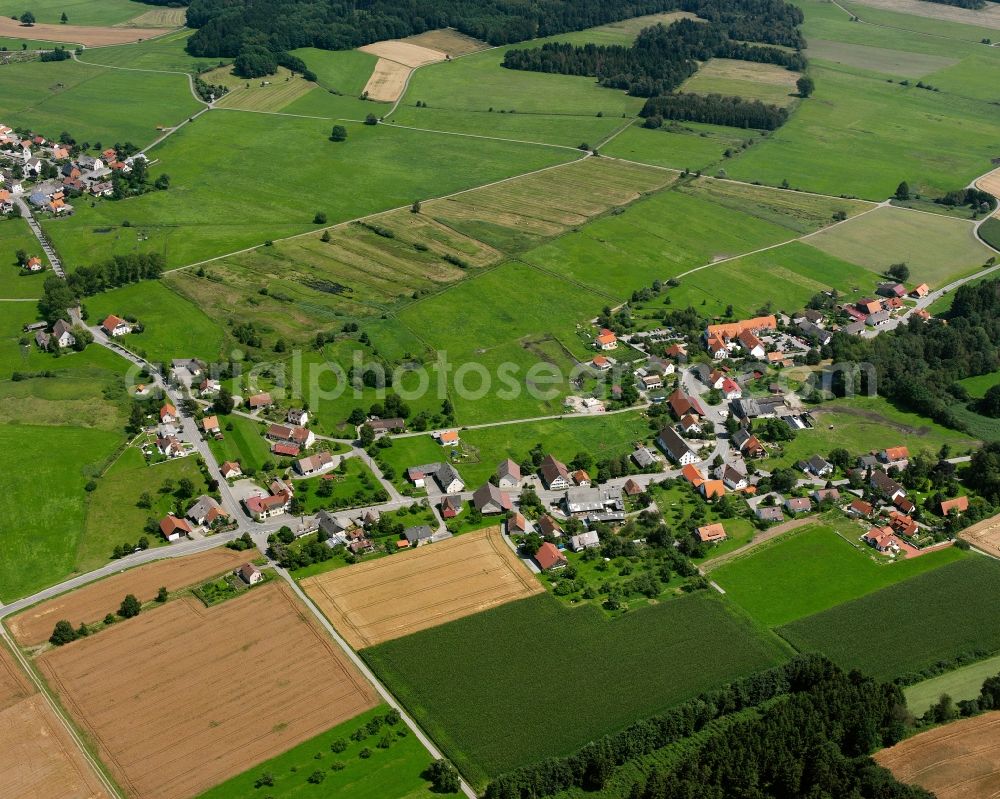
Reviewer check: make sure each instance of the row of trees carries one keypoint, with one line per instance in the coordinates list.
(659, 61)
(717, 109)
(59, 295)
(63, 632)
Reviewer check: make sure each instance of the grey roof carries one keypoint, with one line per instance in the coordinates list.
(419, 533)
(675, 446)
(877, 318)
(594, 500)
(769, 513)
(61, 326)
(201, 508)
(489, 496)
(886, 484)
(643, 458)
(329, 523)
(446, 474)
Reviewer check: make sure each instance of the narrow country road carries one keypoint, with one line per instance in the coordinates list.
(39, 234)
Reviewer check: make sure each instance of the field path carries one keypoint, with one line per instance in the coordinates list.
(761, 538)
(187, 75)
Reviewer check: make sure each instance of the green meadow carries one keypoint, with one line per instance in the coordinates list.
(343, 71)
(258, 191)
(686, 145)
(963, 683)
(16, 235)
(244, 443)
(80, 12)
(814, 568)
(165, 53)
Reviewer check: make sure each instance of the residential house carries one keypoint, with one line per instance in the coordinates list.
(314, 464)
(886, 486)
(448, 438)
(904, 505)
(449, 480)
(173, 529)
(690, 424)
(956, 505)
(877, 319)
(586, 540)
(676, 448)
(517, 524)
(260, 401)
(732, 478)
(891, 290)
(860, 508)
(601, 363)
(898, 457)
(643, 458)
(451, 506)
(692, 474)
(249, 574)
(490, 500)
(169, 446)
(297, 416)
(383, 426)
(711, 533)
(230, 469)
(768, 513)
(508, 474)
(291, 434)
(419, 535)
(555, 475)
(209, 388)
(631, 488)
(814, 332)
(920, 291)
(90, 163)
(752, 346)
(816, 466)
(821, 495)
(677, 351)
(34, 264)
(882, 539)
(210, 424)
(731, 389)
(104, 188)
(330, 526)
(606, 340)
(549, 527)
(62, 334)
(682, 404)
(798, 505)
(581, 478)
(903, 524)
(748, 444)
(116, 327)
(168, 414)
(261, 508)
(712, 489)
(206, 511)
(548, 557)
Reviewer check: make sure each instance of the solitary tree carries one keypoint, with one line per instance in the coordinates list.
(443, 777)
(130, 607)
(338, 133)
(805, 85)
(63, 633)
(900, 272)
(64, 19)
(903, 191)
(27, 18)
(162, 594)
(415, 208)
(371, 119)
(320, 218)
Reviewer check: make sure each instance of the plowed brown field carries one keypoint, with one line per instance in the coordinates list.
(181, 698)
(91, 603)
(40, 760)
(78, 34)
(957, 761)
(984, 535)
(392, 597)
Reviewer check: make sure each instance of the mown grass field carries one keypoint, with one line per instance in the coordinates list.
(174, 328)
(16, 235)
(867, 58)
(241, 207)
(355, 487)
(861, 136)
(165, 53)
(814, 568)
(990, 231)
(936, 248)
(391, 773)
(963, 683)
(905, 628)
(272, 93)
(768, 83)
(687, 145)
(440, 673)
(68, 96)
(344, 71)
(80, 12)
(243, 444)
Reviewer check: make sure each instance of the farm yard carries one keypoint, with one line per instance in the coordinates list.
(40, 757)
(924, 628)
(954, 761)
(91, 603)
(384, 599)
(262, 643)
(440, 673)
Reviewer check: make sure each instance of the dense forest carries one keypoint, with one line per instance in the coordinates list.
(226, 26)
(918, 365)
(661, 58)
(805, 729)
(715, 108)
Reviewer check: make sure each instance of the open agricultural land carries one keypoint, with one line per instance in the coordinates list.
(855, 634)
(257, 661)
(440, 673)
(393, 597)
(962, 683)
(41, 758)
(91, 603)
(953, 761)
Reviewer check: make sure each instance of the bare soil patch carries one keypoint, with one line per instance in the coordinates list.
(93, 602)
(447, 40)
(181, 698)
(988, 17)
(991, 183)
(984, 535)
(957, 761)
(392, 597)
(79, 34)
(40, 759)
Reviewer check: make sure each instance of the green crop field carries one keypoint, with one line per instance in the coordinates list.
(786, 277)
(389, 773)
(989, 231)
(862, 136)
(937, 249)
(963, 683)
(243, 444)
(68, 96)
(693, 644)
(80, 12)
(903, 629)
(813, 569)
(242, 207)
(174, 328)
(688, 145)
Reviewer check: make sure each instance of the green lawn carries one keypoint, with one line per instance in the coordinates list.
(813, 569)
(686, 646)
(902, 630)
(688, 145)
(16, 235)
(80, 12)
(243, 444)
(862, 136)
(960, 684)
(38, 545)
(356, 486)
(937, 249)
(68, 96)
(392, 773)
(174, 328)
(977, 386)
(241, 207)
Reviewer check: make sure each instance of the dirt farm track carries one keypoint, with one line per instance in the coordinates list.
(958, 761)
(395, 596)
(91, 603)
(181, 697)
(40, 759)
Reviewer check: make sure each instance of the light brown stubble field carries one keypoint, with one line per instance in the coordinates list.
(182, 698)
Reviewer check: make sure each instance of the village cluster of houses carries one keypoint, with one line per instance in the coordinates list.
(205, 514)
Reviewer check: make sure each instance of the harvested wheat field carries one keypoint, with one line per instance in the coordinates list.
(158, 18)
(960, 760)
(181, 698)
(78, 34)
(984, 535)
(392, 597)
(447, 40)
(93, 602)
(991, 183)
(41, 760)
(396, 60)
